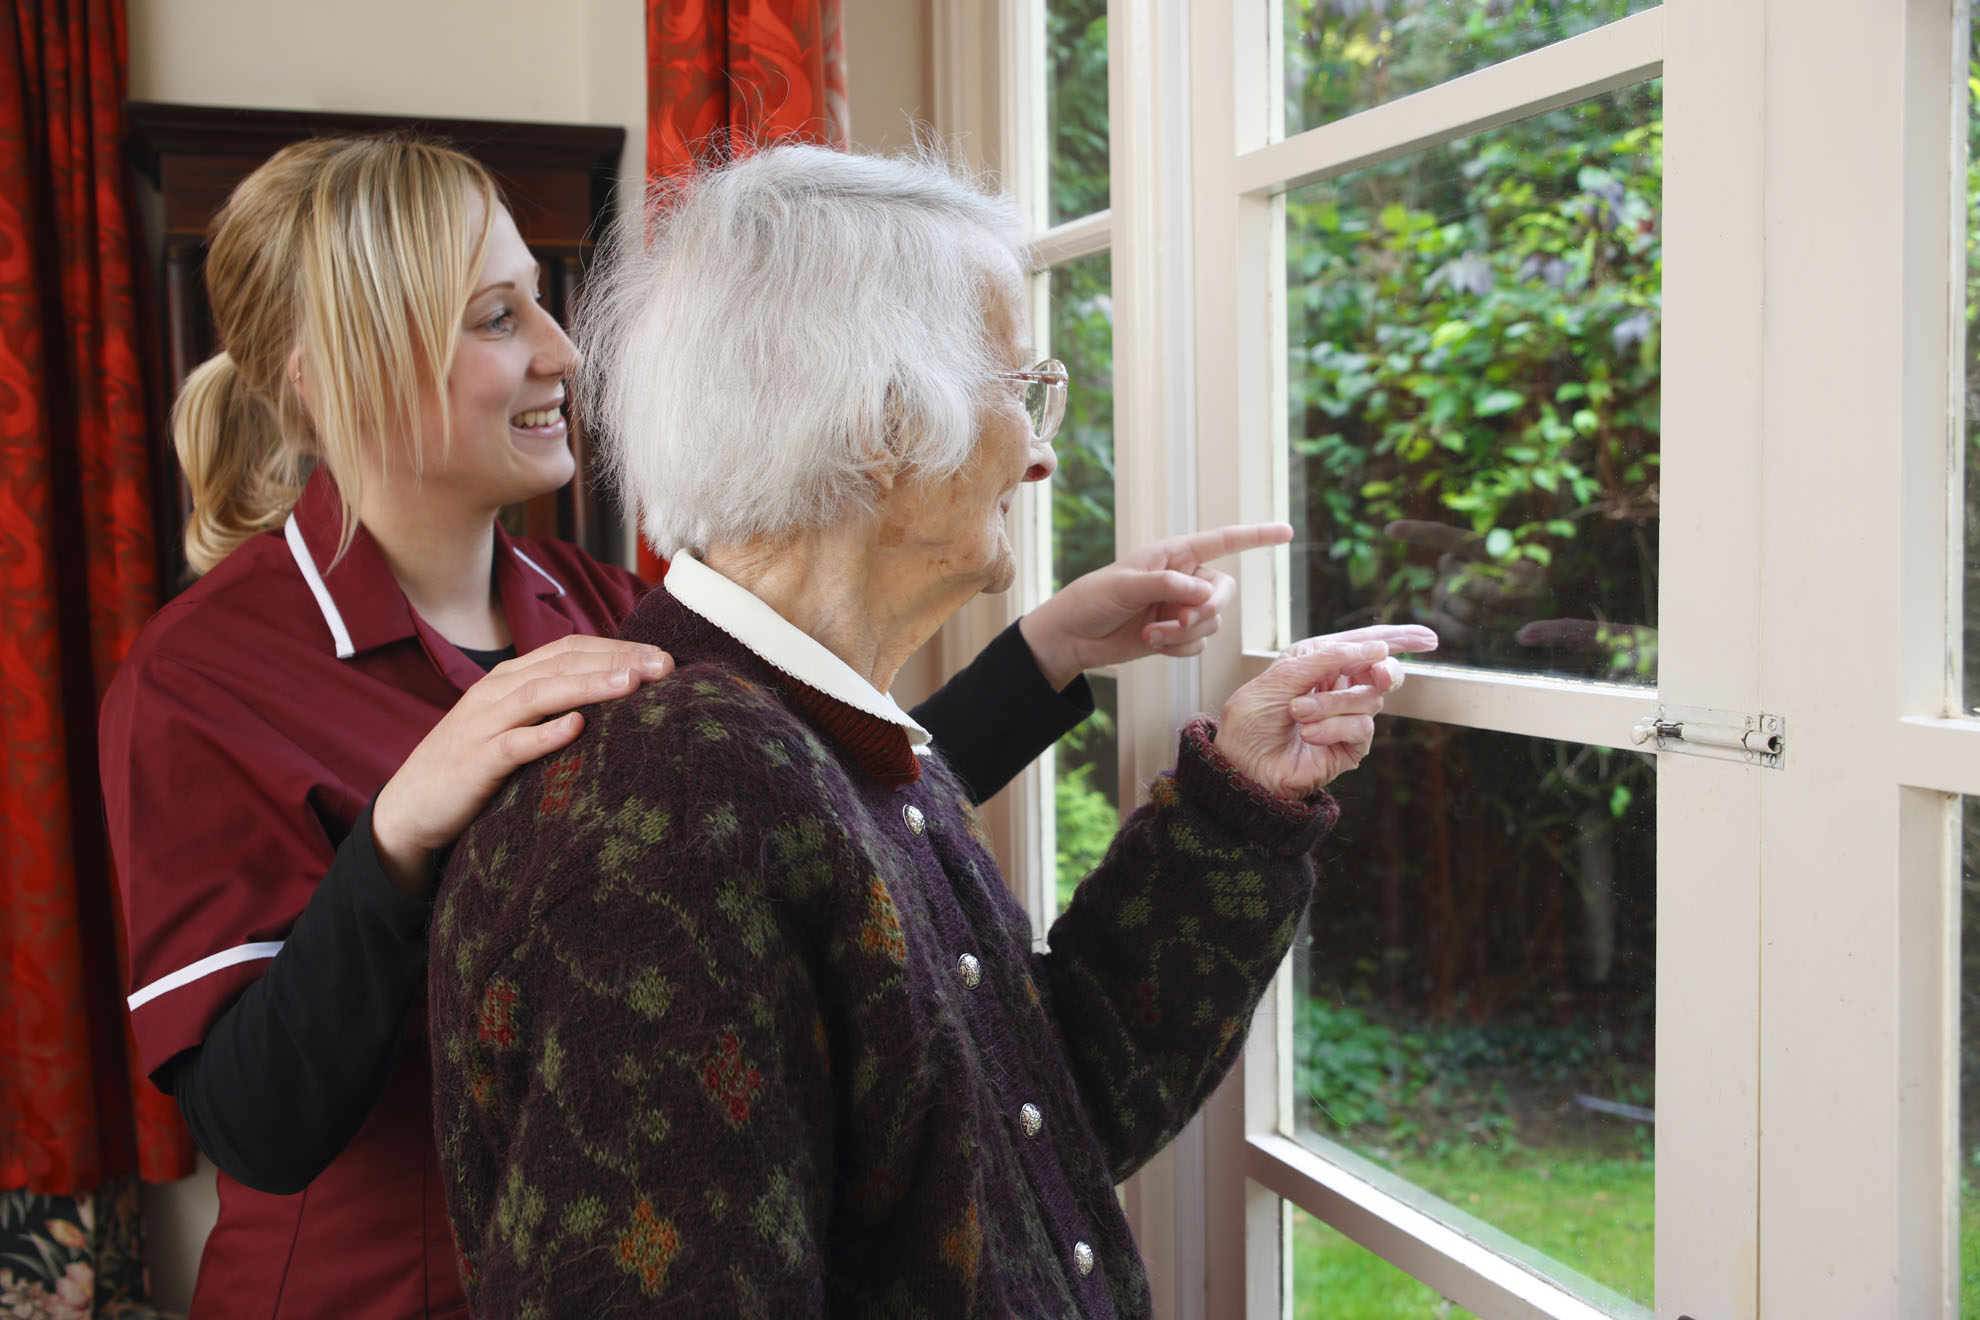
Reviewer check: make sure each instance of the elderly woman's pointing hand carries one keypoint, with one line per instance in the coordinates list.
(1311, 716)
(1163, 599)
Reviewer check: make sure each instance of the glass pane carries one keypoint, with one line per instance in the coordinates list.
(1334, 1279)
(1473, 386)
(1083, 488)
(1076, 108)
(1087, 778)
(1971, 402)
(1969, 1060)
(1347, 55)
(1477, 992)
(1087, 788)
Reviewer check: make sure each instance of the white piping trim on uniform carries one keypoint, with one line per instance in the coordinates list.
(214, 962)
(338, 632)
(539, 568)
(739, 613)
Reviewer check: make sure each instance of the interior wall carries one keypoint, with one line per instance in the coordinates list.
(550, 61)
(539, 60)
(889, 70)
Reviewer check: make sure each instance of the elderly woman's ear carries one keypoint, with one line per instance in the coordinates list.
(883, 446)
(883, 470)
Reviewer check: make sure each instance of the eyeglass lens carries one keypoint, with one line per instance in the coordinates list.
(1045, 403)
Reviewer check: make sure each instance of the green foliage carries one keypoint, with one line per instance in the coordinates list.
(1475, 342)
(1087, 815)
(1392, 1086)
(1076, 107)
(1083, 488)
(1354, 1072)
(1473, 334)
(1347, 55)
(1086, 825)
(1969, 1250)
(1972, 402)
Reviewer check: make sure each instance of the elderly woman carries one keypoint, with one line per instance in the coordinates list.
(732, 1013)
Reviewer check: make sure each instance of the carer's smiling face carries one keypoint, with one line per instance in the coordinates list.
(507, 440)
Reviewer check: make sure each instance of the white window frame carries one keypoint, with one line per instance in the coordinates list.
(984, 55)
(1808, 917)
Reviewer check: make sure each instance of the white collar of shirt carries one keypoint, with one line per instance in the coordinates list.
(779, 642)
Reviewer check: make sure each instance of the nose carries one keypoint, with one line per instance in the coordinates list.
(1044, 460)
(556, 356)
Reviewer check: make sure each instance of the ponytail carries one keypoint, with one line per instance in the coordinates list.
(244, 477)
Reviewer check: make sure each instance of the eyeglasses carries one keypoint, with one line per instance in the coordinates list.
(1044, 395)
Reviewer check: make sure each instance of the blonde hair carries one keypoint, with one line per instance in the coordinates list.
(353, 258)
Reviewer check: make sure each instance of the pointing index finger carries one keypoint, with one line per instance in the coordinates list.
(1216, 542)
(1400, 638)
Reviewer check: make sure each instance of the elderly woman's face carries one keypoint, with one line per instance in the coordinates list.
(960, 523)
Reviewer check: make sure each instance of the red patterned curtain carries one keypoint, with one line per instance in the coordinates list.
(77, 578)
(723, 76)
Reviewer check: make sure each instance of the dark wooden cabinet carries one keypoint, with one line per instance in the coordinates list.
(557, 178)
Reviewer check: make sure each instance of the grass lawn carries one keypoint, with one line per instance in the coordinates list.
(1594, 1215)
(1969, 1252)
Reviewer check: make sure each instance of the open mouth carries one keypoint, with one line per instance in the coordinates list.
(540, 419)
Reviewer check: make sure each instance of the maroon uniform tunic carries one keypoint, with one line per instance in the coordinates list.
(253, 720)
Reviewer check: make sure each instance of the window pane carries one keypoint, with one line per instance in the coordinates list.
(1083, 488)
(1969, 1061)
(1087, 775)
(1347, 55)
(1334, 1279)
(1087, 788)
(1473, 388)
(1478, 985)
(1972, 400)
(1076, 108)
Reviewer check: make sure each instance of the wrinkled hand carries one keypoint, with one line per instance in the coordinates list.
(1311, 716)
(1162, 598)
(498, 725)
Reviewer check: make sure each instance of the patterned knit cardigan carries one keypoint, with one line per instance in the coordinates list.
(724, 1025)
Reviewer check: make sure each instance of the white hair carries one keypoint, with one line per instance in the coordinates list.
(769, 332)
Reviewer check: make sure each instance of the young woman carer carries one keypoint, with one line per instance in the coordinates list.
(732, 1014)
(367, 656)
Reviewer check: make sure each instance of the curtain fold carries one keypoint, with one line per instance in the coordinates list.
(77, 579)
(726, 76)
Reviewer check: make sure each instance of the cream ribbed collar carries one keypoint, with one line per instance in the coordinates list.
(779, 642)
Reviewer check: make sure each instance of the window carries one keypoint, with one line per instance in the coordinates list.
(1086, 780)
(1074, 306)
(1627, 343)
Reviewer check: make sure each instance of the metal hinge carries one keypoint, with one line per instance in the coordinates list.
(1755, 739)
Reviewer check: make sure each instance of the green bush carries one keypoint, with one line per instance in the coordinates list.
(1474, 342)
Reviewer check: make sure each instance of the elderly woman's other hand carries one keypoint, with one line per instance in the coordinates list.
(1164, 598)
(1311, 716)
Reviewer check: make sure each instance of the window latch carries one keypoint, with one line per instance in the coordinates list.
(1723, 735)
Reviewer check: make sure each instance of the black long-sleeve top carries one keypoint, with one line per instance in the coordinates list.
(288, 1074)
